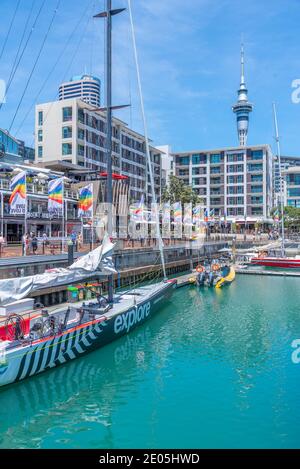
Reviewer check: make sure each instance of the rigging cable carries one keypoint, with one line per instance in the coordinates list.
(35, 63)
(160, 241)
(9, 29)
(67, 71)
(53, 69)
(23, 51)
(21, 42)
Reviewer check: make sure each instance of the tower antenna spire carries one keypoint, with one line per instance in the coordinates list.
(243, 107)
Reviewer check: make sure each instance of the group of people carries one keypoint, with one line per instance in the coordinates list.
(29, 243)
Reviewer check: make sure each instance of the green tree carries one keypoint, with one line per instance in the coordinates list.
(177, 191)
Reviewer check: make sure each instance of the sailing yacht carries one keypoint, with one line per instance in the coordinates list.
(33, 340)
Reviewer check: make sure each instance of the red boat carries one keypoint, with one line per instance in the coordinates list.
(283, 262)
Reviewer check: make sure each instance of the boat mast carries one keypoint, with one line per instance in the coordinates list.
(160, 241)
(280, 179)
(108, 13)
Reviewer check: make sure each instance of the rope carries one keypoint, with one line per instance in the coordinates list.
(52, 70)
(9, 29)
(23, 51)
(35, 63)
(69, 66)
(146, 139)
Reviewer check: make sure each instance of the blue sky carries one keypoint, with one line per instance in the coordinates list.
(189, 56)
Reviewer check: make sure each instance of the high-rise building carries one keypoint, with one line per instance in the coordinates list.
(242, 108)
(291, 180)
(85, 87)
(233, 182)
(72, 131)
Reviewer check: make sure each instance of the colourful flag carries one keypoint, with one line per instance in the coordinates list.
(55, 196)
(17, 200)
(177, 210)
(137, 212)
(85, 202)
(206, 215)
(276, 216)
(166, 220)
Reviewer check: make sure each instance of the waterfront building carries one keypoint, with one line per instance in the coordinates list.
(285, 163)
(235, 182)
(291, 180)
(243, 107)
(85, 87)
(38, 218)
(167, 163)
(13, 150)
(72, 131)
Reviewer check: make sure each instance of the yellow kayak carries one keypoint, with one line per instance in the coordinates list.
(227, 279)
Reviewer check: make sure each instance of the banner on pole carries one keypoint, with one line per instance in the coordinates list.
(177, 214)
(55, 196)
(17, 200)
(166, 220)
(188, 220)
(85, 202)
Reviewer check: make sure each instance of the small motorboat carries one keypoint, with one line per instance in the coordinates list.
(213, 275)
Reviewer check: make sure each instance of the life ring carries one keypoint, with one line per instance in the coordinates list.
(215, 267)
(199, 268)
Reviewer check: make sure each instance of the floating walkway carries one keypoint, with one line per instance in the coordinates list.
(273, 273)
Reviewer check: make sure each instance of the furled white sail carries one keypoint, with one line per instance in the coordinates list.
(97, 261)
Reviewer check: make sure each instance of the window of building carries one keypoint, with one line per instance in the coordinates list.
(40, 118)
(215, 170)
(66, 132)
(255, 167)
(81, 116)
(257, 154)
(183, 160)
(294, 192)
(234, 157)
(67, 148)
(294, 203)
(67, 114)
(80, 150)
(40, 151)
(256, 177)
(293, 179)
(256, 189)
(256, 211)
(183, 172)
(257, 200)
(235, 168)
(215, 158)
(235, 190)
(198, 159)
(40, 135)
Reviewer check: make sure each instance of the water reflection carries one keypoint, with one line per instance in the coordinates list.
(215, 363)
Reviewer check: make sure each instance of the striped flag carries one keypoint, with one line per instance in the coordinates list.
(55, 196)
(85, 202)
(17, 200)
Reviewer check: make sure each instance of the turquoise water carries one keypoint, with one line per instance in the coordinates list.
(212, 370)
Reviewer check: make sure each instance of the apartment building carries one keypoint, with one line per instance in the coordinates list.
(236, 182)
(74, 131)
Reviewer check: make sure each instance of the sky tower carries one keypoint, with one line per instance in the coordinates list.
(242, 108)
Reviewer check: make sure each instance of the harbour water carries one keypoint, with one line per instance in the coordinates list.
(213, 369)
